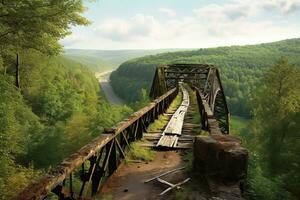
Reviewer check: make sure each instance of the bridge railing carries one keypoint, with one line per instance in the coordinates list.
(208, 120)
(82, 174)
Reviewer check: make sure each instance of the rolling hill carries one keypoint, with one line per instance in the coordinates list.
(106, 60)
(241, 68)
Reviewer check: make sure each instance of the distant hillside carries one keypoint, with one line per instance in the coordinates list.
(103, 60)
(92, 62)
(241, 67)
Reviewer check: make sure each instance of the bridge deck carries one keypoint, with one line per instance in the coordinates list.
(173, 130)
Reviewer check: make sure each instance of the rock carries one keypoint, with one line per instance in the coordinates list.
(221, 158)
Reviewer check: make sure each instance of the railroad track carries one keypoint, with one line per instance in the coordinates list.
(177, 133)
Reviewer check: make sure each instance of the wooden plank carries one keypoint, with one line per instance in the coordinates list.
(174, 186)
(163, 174)
(173, 130)
(164, 182)
(175, 142)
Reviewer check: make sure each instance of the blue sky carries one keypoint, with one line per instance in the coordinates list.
(152, 24)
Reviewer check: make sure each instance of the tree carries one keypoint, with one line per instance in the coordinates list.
(36, 24)
(276, 122)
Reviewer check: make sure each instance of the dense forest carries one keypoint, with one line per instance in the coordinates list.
(261, 85)
(240, 66)
(49, 105)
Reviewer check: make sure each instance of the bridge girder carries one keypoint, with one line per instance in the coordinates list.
(202, 76)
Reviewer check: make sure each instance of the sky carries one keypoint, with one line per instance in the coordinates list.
(156, 24)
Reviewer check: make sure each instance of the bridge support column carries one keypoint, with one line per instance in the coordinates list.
(223, 163)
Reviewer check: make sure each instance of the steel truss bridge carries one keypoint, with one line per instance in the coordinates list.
(95, 162)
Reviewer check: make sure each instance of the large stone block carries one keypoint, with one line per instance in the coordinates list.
(223, 162)
(221, 156)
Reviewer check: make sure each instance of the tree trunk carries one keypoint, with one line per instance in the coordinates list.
(17, 72)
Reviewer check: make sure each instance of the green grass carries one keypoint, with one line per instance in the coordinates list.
(194, 110)
(158, 124)
(238, 124)
(175, 103)
(162, 120)
(138, 152)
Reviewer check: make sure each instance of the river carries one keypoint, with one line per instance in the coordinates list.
(104, 81)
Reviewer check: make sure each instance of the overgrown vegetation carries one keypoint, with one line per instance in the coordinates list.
(139, 152)
(162, 120)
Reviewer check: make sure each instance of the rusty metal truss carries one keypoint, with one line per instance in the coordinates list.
(205, 79)
(81, 175)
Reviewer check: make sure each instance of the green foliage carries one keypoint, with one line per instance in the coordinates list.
(38, 24)
(18, 123)
(262, 187)
(58, 110)
(271, 137)
(142, 102)
(276, 109)
(18, 127)
(58, 107)
(238, 124)
(56, 88)
(17, 180)
(241, 69)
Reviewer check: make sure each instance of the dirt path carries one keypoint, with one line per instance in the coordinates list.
(104, 81)
(127, 183)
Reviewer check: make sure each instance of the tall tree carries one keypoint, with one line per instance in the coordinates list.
(36, 24)
(277, 122)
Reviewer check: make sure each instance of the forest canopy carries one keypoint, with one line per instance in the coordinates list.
(241, 68)
(49, 106)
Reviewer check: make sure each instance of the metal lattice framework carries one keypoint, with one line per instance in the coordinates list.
(205, 79)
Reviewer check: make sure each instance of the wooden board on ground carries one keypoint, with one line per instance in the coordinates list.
(170, 136)
(171, 185)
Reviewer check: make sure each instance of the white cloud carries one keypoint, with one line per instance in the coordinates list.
(282, 6)
(168, 11)
(236, 22)
(137, 28)
(215, 12)
(247, 8)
